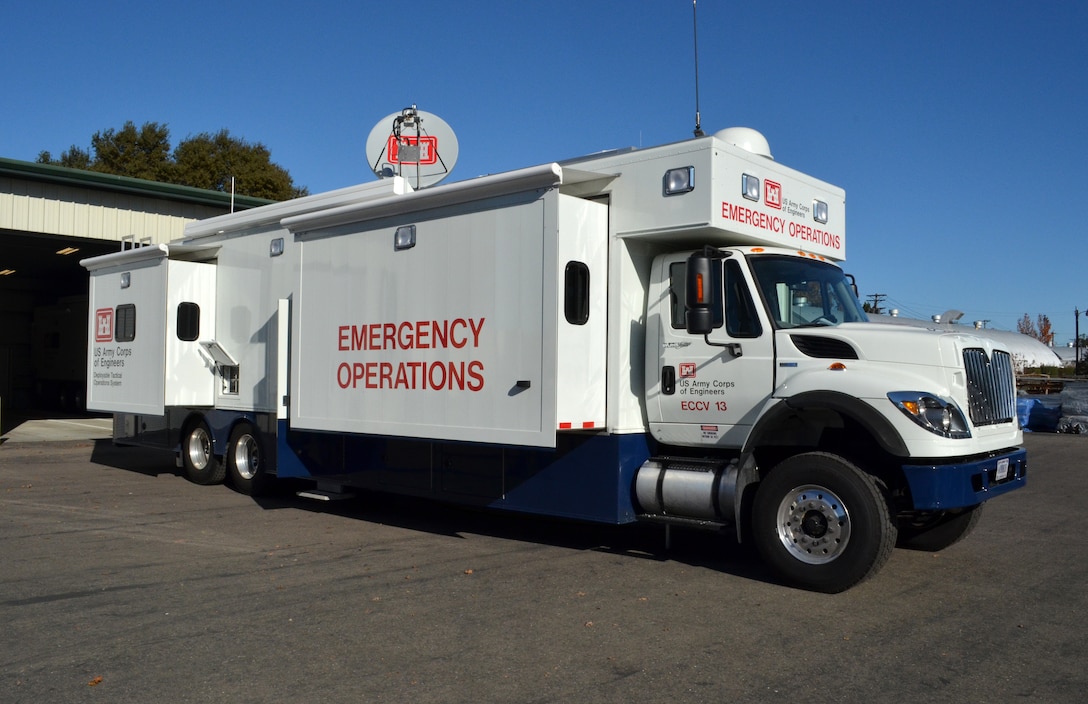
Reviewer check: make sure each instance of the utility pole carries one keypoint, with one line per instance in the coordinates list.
(874, 307)
(1076, 341)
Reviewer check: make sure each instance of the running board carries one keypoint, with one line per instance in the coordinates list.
(698, 523)
(326, 492)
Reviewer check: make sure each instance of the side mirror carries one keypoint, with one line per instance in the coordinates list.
(704, 291)
(853, 285)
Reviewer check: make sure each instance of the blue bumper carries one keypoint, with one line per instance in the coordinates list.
(947, 486)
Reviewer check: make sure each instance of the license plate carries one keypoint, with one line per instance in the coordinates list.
(1002, 470)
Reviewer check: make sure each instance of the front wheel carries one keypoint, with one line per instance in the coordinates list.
(246, 460)
(821, 522)
(197, 455)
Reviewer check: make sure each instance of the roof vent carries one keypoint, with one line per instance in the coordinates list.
(747, 139)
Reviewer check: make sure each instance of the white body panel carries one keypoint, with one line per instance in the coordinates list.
(457, 337)
(715, 210)
(142, 288)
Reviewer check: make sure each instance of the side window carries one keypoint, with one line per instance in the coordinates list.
(678, 278)
(576, 293)
(740, 310)
(188, 321)
(124, 329)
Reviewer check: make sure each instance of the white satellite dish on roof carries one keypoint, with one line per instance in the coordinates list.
(417, 145)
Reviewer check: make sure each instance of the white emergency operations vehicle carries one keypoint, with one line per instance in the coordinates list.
(654, 334)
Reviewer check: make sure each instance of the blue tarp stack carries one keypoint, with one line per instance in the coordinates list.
(1064, 413)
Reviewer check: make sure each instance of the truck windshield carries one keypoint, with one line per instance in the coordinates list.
(805, 292)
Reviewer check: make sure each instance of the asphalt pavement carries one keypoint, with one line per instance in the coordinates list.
(122, 582)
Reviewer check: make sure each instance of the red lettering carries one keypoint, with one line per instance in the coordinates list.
(402, 377)
(423, 332)
(342, 336)
(460, 322)
(695, 405)
(440, 333)
(457, 376)
(389, 341)
(342, 379)
(476, 327)
(404, 336)
(441, 369)
(476, 374)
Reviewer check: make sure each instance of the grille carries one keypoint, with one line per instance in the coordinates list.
(991, 388)
(823, 347)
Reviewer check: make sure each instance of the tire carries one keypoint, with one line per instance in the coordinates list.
(937, 531)
(822, 523)
(245, 460)
(198, 455)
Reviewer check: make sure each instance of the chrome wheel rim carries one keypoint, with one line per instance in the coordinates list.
(813, 524)
(200, 448)
(246, 457)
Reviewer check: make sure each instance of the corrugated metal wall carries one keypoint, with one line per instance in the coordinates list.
(34, 206)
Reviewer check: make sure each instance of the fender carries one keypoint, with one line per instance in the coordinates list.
(874, 423)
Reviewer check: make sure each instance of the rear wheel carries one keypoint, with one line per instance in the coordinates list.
(821, 522)
(246, 460)
(198, 457)
(938, 530)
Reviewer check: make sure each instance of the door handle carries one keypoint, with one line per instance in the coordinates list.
(668, 380)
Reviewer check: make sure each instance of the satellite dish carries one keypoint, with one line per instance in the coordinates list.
(417, 145)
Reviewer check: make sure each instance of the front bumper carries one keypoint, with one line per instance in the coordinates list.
(936, 487)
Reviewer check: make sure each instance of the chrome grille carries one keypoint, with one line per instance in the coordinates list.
(991, 388)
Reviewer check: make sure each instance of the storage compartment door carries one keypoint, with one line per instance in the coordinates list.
(435, 325)
(127, 343)
(582, 325)
(190, 318)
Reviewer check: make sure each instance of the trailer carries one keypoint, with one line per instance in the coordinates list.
(659, 334)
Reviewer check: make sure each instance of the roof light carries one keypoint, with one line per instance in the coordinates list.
(819, 211)
(749, 186)
(679, 180)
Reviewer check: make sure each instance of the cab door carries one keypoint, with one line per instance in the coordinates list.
(706, 389)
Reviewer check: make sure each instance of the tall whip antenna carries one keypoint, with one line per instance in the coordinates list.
(695, 34)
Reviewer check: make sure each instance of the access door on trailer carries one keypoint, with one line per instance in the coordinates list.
(706, 389)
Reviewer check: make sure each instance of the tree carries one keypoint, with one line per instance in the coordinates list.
(204, 161)
(1046, 334)
(1042, 331)
(211, 160)
(1024, 326)
(143, 153)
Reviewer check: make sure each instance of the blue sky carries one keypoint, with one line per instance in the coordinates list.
(958, 129)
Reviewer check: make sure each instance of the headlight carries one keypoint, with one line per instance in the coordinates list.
(932, 413)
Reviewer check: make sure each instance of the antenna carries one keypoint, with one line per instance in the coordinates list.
(695, 34)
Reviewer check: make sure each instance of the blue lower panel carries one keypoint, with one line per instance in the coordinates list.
(947, 486)
(587, 477)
